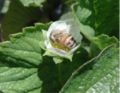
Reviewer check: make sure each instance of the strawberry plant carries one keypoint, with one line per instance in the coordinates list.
(66, 46)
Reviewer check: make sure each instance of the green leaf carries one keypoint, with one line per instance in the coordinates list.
(24, 47)
(22, 68)
(104, 16)
(103, 41)
(87, 31)
(19, 80)
(18, 17)
(100, 42)
(22, 79)
(101, 78)
(81, 15)
(38, 3)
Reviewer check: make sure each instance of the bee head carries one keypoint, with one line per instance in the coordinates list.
(56, 35)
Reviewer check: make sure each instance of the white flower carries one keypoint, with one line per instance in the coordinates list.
(69, 40)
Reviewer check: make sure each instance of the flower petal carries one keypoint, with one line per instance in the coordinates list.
(58, 26)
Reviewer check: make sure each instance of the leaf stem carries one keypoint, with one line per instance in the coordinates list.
(59, 73)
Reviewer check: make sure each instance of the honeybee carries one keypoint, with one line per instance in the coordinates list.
(63, 39)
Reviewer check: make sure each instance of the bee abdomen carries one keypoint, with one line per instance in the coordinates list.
(70, 42)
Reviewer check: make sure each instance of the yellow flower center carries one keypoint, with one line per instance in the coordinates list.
(60, 46)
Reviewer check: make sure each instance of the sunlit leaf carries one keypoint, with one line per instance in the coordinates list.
(102, 77)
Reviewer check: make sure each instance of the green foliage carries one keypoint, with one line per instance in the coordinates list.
(24, 46)
(19, 80)
(26, 66)
(102, 77)
(81, 13)
(104, 16)
(100, 42)
(103, 40)
(22, 59)
(24, 51)
(18, 17)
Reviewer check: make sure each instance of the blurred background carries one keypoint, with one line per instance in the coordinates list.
(16, 14)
